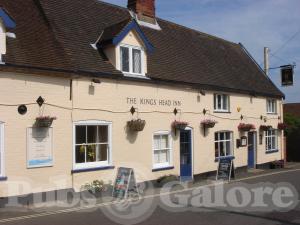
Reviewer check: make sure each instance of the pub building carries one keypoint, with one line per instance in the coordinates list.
(88, 87)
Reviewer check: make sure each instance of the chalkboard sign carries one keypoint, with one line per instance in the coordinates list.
(125, 182)
(225, 169)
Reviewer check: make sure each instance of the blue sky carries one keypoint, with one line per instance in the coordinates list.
(254, 23)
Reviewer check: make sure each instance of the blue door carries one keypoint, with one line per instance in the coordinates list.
(186, 155)
(251, 149)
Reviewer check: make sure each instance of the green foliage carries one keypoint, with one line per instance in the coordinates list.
(96, 186)
(293, 123)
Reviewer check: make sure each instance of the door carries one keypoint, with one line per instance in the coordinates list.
(251, 149)
(186, 155)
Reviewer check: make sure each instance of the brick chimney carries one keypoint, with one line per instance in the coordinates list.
(142, 7)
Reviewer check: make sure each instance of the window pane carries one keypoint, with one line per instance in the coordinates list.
(228, 148)
(216, 137)
(91, 153)
(103, 134)
(163, 156)
(222, 136)
(164, 142)
(228, 136)
(92, 134)
(219, 102)
(102, 152)
(156, 142)
(137, 61)
(125, 59)
(216, 149)
(80, 154)
(225, 102)
(222, 149)
(156, 157)
(80, 134)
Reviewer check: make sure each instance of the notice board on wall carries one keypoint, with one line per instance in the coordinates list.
(125, 183)
(39, 147)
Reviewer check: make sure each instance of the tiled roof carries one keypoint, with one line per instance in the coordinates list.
(58, 34)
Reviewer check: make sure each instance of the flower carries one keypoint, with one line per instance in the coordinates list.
(265, 127)
(282, 126)
(208, 123)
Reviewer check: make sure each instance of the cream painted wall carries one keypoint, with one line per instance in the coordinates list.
(128, 149)
(113, 52)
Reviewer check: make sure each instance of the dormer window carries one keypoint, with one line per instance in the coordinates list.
(131, 60)
(126, 47)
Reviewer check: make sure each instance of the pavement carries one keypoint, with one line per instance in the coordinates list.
(196, 203)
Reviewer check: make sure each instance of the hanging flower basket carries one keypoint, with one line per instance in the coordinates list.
(282, 126)
(136, 125)
(208, 123)
(180, 125)
(44, 121)
(265, 127)
(246, 127)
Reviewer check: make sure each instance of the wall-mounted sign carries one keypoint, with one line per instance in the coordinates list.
(244, 141)
(39, 147)
(287, 75)
(153, 102)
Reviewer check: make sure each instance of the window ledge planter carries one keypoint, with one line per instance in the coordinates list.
(245, 127)
(180, 125)
(136, 125)
(208, 123)
(265, 128)
(44, 121)
(282, 126)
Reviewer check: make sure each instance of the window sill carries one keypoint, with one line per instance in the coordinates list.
(272, 113)
(140, 76)
(216, 111)
(3, 178)
(92, 169)
(272, 151)
(163, 168)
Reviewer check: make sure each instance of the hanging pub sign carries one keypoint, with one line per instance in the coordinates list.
(225, 169)
(287, 75)
(125, 183)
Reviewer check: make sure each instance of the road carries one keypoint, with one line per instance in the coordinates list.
(188, 207)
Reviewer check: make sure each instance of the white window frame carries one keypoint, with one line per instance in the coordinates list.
(2, 156)
(131, 47)
(3, 35)
(79, 166)
(162, 165)
(225, 140)
(267, 136)
(216, 109)
(271, 106)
